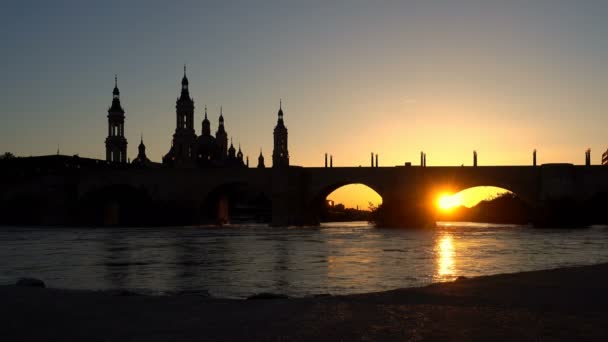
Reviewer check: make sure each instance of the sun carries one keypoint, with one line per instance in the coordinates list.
(448, 202)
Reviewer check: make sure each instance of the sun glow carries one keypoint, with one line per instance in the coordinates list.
(448, 202)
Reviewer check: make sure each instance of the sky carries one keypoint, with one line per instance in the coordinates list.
(389, 77)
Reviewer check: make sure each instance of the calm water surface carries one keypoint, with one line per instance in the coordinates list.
(241, 260)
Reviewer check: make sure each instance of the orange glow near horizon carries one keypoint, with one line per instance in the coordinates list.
(360, 196)
(468, 197)
(355, 196)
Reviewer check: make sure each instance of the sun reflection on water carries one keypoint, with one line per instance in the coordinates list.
(444, 251)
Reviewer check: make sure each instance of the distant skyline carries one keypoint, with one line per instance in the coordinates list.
(389, 77)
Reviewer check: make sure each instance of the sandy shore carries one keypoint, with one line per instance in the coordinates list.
(562, 304)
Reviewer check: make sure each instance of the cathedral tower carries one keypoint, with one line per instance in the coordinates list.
(184, 136)
(116, 143)
(222, 137)
(280, 154)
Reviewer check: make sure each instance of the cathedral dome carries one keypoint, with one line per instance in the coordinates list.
(205, 141)
(206, 149)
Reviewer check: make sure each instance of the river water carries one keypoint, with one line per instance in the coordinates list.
(241, 260)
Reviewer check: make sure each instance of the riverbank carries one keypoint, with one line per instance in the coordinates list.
(568, 303)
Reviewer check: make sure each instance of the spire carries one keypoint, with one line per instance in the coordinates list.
(280, 154)
(206, 125)
(116, 107)
(221, 135)
(184, 79)
(231, 150)
(142, 147)
(239, 154)
(280, 110)
(261, 160)
(115, 92)
(141, 155)
(185, 94)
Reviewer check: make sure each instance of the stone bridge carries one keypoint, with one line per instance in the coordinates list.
(294, 195)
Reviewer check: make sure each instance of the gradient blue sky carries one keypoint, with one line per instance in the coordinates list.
(393, 77)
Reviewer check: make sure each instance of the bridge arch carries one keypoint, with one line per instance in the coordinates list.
(483, 192)
(317, 201)
(525, 187)
(233, 202)
(116, 204)
(484, 204)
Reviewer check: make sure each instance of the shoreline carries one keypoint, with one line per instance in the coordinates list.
(206, 295)
(562, 303)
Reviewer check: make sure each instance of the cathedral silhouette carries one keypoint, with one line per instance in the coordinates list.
(187, 149)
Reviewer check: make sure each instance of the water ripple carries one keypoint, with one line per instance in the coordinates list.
(241, 260)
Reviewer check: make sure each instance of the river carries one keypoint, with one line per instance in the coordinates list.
(241, 260)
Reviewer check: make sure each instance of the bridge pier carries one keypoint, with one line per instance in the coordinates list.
(289, 202)
(405, 210)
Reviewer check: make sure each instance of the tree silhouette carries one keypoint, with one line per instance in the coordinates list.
(7, 155)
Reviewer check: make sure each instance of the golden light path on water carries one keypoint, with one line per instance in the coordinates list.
(444, 245)
(445, 257)
(241, 260)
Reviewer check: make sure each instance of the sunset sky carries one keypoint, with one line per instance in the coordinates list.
(390, 77)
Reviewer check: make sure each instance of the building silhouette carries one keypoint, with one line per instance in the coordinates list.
(261, 161)
(112, 192)
(116, 143)
(222, 137)
(184, 137)
(142, 160)
(188, 150)
(280, 154)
